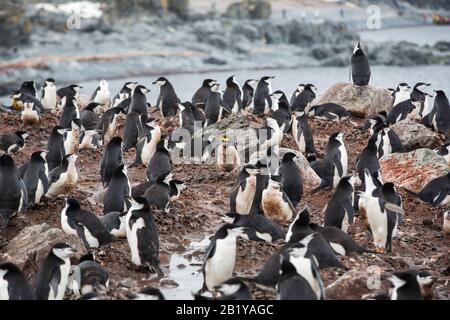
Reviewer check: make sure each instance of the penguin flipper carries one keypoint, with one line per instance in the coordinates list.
(44, 180)
(440, 197)
(80, 232)
(350, 210)
(316, 274)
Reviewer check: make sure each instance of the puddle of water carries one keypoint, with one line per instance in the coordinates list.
(189, 279)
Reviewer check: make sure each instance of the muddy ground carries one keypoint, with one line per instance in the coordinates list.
(201, 209)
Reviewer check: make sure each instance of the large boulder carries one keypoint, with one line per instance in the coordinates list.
(413, 170)
(30, 247)
(415, 135)
(310, 178)
(15, 27)
(361, 101)
(354, 285)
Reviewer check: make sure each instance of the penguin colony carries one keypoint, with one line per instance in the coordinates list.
(264, 202)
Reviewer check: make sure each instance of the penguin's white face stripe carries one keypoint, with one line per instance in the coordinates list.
(264, 236)
(338, 248)
(252, 83)
(228, 289)
(4, 294)
(161, 82)
(424, 280)
(63, 253)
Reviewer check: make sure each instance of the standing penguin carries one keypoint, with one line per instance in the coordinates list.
(368, 159)
(248, 90)
(382, 216)
(420, 98)
(139, 102)
(64, 178)
(53, 277)
(233, 94)
(72, 137)
(335, 162)
(89, 277)
(112, 159)
(161, 162)
(304, 98)
(275, 203)
(101, 95)
(12, 143)
(339, 211)
(30, 114)
(89, 119)
(118, 192)
(108, 125)
(303, 135)
(291, 178)
(200, 96)
(149, 144)
(221, 256)
(158, 194)
(440, 119)
(388, 142)
(186, 116)
(262, 102)
(124, 93)
(69, 113)
(14, 284)
(143, 236)
(72, 90)
(84, 224)
(360, 67)
(35, 177)
(228, 157)
(167, 100)
(243, 192)
(406, 286)
(55, 147)
(132, 130)
(215, 106)
(283, 113)
(13, 193)
(49, 98)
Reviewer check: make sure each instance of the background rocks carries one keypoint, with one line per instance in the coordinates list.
(361, 101)
(415, 135)
(413, 170)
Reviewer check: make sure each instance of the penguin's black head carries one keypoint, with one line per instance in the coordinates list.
(22, 134)
(91, 106)
(421, 84)
(251, 82)
(38, 156)
(252, 169)
(73, 204)
(58, 130)
(139, 203)
(207, 83)
(286, 267)
(160, 81)
(357, 51)
(389, 186)
(267, 79)
(8, 267)
(188, 105)
(303, 218)
(28, 85)
(289, 156)
(6, 162)
(310, 87)
(142, 89)
(51, 80)
(76, 123)
(230, 80)
(399, 279)
(337, 136)
(16, 94)
(165, 178)
(150, 293)
(230, 229)
(116, 141)
(62, 250)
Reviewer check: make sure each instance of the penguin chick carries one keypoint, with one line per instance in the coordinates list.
(14, 284)
(12, 143)
(53, 275)
(228, 157)
(243, 192)
(143, 236)
(64, 178)
(84, 224)
(30, 115)
(221, 256)
(275, 203)
(234, 289)
(13, 193)
(335, 162)
(339, 211)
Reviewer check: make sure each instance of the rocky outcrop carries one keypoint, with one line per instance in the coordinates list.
(415, 135)
(15, 27)
(413, 170)
(361, 101)
(352, 285)
(32, 244)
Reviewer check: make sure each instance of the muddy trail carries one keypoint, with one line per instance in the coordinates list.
(201, 209)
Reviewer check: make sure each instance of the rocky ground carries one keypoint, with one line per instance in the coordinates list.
(202, 207)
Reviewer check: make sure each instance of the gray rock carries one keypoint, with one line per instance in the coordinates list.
(352, 285)
(443, 46)
(15, 26)
(361, 101)
(413, 170)
(249, 9)
(33, 243)
(415, 135)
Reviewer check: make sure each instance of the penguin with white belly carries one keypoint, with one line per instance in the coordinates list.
(243, 192)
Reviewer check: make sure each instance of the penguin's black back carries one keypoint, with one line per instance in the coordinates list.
(360, 69)
(291, 180)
